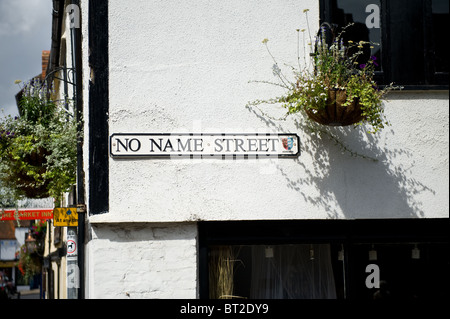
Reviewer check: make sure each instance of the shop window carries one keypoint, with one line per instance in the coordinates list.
(408, 271)
(412, 37)
(272, 272)
(356, 260)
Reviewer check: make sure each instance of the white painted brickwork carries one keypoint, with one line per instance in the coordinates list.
(143, 261)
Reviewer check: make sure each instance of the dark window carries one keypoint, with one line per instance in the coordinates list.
(412, 37)
(325, 259)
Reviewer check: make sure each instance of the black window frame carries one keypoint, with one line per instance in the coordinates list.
(431, 80)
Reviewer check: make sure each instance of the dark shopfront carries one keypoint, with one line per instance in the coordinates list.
(325, 259)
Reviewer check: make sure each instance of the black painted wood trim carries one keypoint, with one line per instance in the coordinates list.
(321, 231)
(98, 108)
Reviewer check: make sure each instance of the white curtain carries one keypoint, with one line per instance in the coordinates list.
(292, 272)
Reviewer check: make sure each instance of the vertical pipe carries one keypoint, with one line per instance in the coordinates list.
(50, 284)
(73, 273)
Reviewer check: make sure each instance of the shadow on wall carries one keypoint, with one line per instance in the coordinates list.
(361, 180)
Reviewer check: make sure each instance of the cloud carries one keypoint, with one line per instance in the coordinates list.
(20, 17)
(25, 31)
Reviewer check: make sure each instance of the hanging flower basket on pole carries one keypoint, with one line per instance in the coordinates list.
(27, 178)
(38, 149)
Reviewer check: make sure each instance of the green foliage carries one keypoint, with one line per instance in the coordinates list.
(7, 198)
(38, 149)
(335, 65)
(30, 254)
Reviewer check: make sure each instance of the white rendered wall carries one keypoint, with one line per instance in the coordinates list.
(185, 67)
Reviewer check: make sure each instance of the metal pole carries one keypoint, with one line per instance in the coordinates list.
(72, 263)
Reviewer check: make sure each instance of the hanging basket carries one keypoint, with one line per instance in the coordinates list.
(31, 189)
(335, 113)
(28, 185)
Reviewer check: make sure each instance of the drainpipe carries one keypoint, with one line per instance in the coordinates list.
(81, 206)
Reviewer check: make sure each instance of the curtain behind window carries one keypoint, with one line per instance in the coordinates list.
(292, 272)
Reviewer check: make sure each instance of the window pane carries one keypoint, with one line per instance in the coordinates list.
(406, 41)
(306, 271)
(409, 271)
(440, 33)
(366, 16)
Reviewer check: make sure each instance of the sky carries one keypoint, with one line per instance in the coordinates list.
(25, 31)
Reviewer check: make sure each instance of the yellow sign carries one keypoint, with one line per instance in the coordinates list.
(67, 216)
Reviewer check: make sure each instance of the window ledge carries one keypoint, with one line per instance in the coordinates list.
(421, 87)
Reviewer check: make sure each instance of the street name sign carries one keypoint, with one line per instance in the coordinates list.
(203, 145)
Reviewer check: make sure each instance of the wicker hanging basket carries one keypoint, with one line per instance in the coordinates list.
(31, 189)
(335, 113)
(27, 185)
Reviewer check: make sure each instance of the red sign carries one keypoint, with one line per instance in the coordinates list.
(71, 246)
(27, 214)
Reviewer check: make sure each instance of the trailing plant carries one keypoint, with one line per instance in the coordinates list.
(28, 264)
(336, 76)
(30, 256)
(38, 230)
(7, 198)
(38, 150)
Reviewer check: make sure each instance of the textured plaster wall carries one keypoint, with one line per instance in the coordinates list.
(185, 67)
(143, 261)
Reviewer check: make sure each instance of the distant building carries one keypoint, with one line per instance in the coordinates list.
(12, 237)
